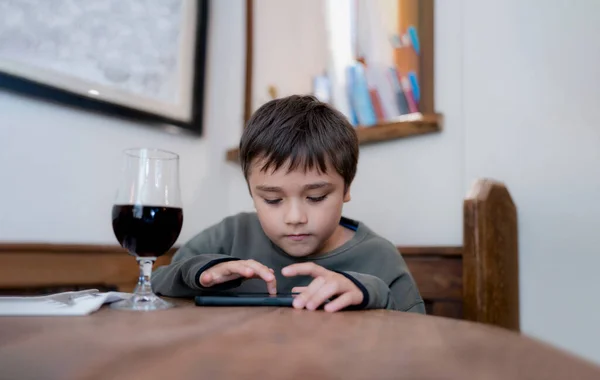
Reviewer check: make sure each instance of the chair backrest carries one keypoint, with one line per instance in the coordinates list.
(490, 256)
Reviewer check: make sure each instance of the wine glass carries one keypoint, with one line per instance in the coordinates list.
(147, 217)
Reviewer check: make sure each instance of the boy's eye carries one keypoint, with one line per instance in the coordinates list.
(272, 201)
(317, 199)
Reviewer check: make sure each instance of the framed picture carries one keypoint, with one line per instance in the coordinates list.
(135, 59)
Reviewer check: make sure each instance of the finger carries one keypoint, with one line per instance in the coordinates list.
(223, 279)
(299, 289)
(207, 279)
(340, 302)
(239, 267)
(329, 289)
(229, 271)
(272, 287)
(304, 269)
(261, 270)
(265, 273)
(301, 299)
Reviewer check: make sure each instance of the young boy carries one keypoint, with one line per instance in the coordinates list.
(299, 158)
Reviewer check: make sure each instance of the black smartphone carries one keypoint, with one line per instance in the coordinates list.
(245, 299)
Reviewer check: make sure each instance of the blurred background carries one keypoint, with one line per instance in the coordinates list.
(512, 83)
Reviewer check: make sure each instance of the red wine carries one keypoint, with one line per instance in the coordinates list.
(147, 231)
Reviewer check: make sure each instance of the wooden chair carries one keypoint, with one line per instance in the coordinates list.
(491, 256)
(478, 281)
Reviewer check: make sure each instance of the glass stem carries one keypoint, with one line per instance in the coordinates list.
(143, 287)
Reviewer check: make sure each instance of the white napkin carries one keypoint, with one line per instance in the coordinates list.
(82, 303)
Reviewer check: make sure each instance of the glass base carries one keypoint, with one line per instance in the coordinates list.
(147, 302)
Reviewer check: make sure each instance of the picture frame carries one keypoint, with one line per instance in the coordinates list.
(123, 59)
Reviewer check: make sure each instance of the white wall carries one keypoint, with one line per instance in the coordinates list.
(531, 94)
(58, 166)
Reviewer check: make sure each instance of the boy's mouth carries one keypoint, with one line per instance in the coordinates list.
(297, 237)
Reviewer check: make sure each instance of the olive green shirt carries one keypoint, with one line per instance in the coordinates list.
(368, 260)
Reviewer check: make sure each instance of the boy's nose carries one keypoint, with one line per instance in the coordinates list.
(295, 214)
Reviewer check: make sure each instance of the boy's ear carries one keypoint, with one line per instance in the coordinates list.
(347, 196)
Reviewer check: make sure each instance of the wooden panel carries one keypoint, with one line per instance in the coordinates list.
(437, 270)
(437, 278)
(430, 251)
(426, 60)
(53, 265)
(448, 309)
(490, 262)
(405, 126)
(233, 155)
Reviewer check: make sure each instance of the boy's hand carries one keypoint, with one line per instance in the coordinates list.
(325, 285)
(232, 270)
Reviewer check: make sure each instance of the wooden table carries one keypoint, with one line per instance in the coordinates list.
(271, 343)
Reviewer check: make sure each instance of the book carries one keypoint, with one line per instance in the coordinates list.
(401, 100)
(360, 96)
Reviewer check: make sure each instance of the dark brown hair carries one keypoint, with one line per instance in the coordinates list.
(303, 131)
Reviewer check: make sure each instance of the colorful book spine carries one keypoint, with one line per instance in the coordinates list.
(408, 93)
(360, 96)
(397, 88)
(353, 117)
(414, 83)
(374, 92)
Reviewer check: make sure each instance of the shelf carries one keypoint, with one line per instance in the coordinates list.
(402, 127)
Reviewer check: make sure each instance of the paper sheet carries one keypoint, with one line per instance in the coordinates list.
(46, 306)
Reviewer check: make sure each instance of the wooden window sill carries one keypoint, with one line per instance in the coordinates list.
(404, 126)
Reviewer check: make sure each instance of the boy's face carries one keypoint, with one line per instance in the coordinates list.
(299, 211)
